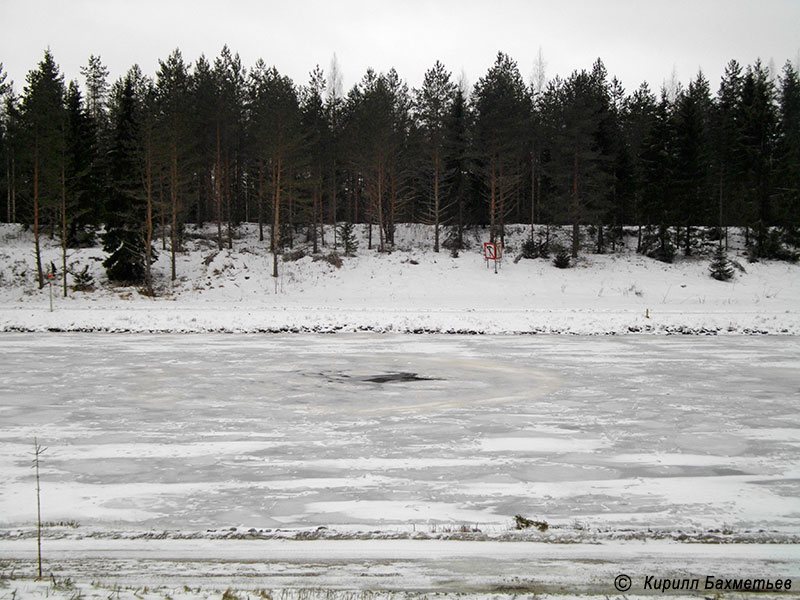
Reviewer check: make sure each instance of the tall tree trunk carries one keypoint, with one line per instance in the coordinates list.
(148, 240)
(533, 190)
(460, 226)
(260, 200)
(502, 211)
(380, 205)
(290, 216)
(246, 200)
(276, 217)
(321, 205)
(8, 189)
(436, 199)
(36, 245)
(314, 215)
(601, 244)
(228, 215)
(393, 208)
(173, 192)
(356, 190)
(162, 209)
(492, 202)
(63, 224)
(333, 201)
(721, 183)
(13, 190)
(218, 188)
(575, 207)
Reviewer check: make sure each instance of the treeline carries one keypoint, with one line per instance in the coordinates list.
(214, 142)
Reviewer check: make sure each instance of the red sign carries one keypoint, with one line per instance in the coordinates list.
(492, 251)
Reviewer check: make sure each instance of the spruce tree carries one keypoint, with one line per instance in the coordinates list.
(347, 238)
(575, 111)
(43, 122)
(458, 171)
(123, 240)
(728, 154)
(720, 267)
(759, 128)
(788, 153)
(83, 189)
(693, 157)
(5, 154)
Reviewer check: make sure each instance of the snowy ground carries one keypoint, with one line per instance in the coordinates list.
(411, 289)
(363, 466)
(670, 456)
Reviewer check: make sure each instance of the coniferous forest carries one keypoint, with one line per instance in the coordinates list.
(213, 142)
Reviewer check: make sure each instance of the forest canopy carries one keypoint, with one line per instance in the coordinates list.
(214, 141)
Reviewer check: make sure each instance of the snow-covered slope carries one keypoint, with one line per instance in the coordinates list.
(410, 289)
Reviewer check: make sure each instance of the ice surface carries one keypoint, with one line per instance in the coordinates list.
(210, 431)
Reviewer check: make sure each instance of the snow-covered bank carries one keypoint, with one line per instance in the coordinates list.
(140, 317)
(392, 569)
(409, 290)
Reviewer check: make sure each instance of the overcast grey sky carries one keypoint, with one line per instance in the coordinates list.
(637, 39)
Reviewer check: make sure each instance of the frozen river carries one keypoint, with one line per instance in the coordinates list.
(389, 432)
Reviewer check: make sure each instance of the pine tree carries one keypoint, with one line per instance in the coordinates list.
(317, 141)
(173, 103)
(96, 75)
(274, 112)
(372, 138)
(334, 106)
(433, 102)
(204, 99)
(638, 121)
(502, 112)
(229, 77)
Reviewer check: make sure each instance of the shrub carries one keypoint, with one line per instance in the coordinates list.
(294, 255)
(521, 522)
(530, 249)
(82, 281)
(333, 259)
(562, 259)
(775, 245)
(658, 245)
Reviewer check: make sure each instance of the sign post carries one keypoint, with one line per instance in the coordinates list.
(50, 285)
(493, 251)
